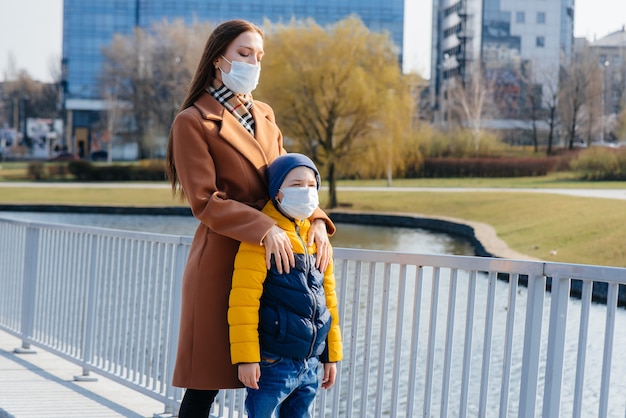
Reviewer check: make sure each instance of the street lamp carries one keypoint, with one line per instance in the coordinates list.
(605, 65)
(24, 118)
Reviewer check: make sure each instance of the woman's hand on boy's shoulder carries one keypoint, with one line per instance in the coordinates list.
(319, 236)
(249, 374)
(277, 244)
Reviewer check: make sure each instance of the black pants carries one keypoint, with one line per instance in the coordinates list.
(196, 403)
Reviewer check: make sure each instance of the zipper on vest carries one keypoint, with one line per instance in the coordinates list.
(307, 270)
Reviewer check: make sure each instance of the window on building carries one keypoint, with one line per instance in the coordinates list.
(520, 17)
(540, 42)
(541, 17)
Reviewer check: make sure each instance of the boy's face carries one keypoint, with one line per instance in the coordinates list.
(298, 177)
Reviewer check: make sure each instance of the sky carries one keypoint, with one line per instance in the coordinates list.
(31, 32)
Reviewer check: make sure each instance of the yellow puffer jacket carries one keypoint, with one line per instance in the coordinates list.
(247, 287)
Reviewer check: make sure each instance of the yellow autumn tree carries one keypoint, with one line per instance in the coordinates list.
(331, 90)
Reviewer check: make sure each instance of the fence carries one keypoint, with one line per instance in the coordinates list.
(424, 335)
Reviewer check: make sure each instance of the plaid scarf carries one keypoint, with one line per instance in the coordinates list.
(237, 105)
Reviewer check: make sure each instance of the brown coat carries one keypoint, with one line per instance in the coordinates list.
(222, 169)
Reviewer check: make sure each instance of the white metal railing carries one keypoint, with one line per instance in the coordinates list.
(425, 335)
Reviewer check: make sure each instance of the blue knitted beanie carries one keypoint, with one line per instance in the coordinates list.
(281, 166)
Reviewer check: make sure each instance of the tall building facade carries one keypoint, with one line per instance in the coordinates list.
(90, 26)
(509, 42)
(611, 54)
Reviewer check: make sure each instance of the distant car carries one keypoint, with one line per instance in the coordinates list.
(100, 155)
(64, 156)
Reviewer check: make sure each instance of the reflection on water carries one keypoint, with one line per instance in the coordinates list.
(347, 236)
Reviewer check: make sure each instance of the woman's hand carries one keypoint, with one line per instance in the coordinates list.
(319, 235)
(277, 243)
(249, 374)
(330, 373)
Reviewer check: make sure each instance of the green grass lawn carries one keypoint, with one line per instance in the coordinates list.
(580, 230)
(13, 171)
(90, 196)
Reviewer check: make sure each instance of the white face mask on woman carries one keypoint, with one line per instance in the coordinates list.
(242, 78)
(299, 202)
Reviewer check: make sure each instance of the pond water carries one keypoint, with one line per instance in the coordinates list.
(347, 236)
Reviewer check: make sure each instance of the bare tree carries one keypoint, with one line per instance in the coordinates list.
(150, 70)
(551, 102)
(24, 98)
(10, 69)
(574, 94)
(54, 68)
(470, 101)
(114, 109)
(620, 126)
(594, 102)
(531, 101)
(542, 88)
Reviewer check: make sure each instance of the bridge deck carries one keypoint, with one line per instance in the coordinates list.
(42, 385)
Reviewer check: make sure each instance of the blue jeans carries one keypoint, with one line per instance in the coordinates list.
(287, 388)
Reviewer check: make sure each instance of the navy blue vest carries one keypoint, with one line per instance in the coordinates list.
(293, 318)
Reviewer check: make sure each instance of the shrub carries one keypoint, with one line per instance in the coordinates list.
(461, 143)
(57, 170)
(81, 170)
(150, 170)
(36, 170)
(86, 171)
(564, 158)
(487, 167)
(598, 163)
(151, 173)
(111, 173)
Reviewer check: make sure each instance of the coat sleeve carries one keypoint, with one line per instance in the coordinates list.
(196, 170)
(245, 298)
(334, 344)
(320, 214)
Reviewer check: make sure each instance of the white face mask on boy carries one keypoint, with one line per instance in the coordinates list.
(299, 202)
(242, 78)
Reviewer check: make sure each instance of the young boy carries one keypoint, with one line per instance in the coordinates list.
(281, 324)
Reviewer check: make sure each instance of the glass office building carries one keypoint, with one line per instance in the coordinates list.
(89, 26)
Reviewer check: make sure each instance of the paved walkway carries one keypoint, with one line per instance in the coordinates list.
(42, 385)
(597, 193)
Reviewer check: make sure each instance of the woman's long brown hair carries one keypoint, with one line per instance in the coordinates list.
(215, 46)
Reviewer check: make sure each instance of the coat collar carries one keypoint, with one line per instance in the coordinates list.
(258, 149)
